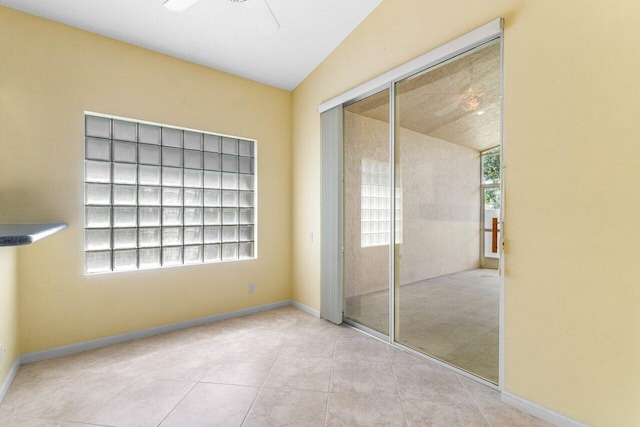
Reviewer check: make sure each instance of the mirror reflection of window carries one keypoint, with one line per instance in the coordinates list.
(375, 216)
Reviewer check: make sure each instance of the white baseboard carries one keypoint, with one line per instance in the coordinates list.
(539, 411)
(7, 381)
(115, 339)
(305, 308)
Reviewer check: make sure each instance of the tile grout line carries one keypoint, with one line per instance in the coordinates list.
(179, 402)
(395, 381)
(333, 358)
(474, 401)
(261, 387)
(133, 379)
(13, 417)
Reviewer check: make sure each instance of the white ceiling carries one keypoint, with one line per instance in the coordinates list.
(219, 33)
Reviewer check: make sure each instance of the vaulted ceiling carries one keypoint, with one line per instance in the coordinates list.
(221, 34)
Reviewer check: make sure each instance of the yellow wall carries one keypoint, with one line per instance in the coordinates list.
(8, 311)
(572, 147)
(51, 74)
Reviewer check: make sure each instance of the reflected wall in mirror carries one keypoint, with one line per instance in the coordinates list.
(367, 203)
(447, 302)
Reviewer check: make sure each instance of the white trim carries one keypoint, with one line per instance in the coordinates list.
(392, 216)
(130, 336)
(539, 411)
(448, 50)
(7, 381)
(305, 308)
(146, 122)
(501, 260)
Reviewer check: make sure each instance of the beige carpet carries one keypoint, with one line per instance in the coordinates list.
(453, 318)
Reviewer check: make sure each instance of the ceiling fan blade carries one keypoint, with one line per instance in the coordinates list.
(178, 5)
(263, 15)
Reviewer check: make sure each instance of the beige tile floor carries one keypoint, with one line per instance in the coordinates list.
(454, 318)
(280, 367)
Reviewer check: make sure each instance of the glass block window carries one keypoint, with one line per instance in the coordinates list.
(376, 204)
(159, 196)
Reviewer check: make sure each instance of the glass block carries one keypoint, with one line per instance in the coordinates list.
(246, 199)
(212, 253)
(149, 237)
(246, 233)
(125, 151)
(172, 157)
(149, 154)
(212, 197)
(245, 250)
(172, 177)
(229, 233)
(192, 216)
(211, 143)
(172, 137)
(125, 173)
(97, 149)
(212, 216)
(245, 148)
(229, 163)
(97, 194)
(230, 181)
(149, 217)
(193, 159)
(366, 202)
(149, 196)
(211, 179)
(125, 195)
(229, 251)
(172, 196)
(171, 216)
(172, 236)
(97, 126)
(96, 240)
(149, 134)
(125, 260)
(125, 131)
(97, 262)
(229, 198)
(212, 235)
(125, 217)
(230, 216)
(97, 171)
(171, 256)
(192, 140)
(97, 216)
(192, 235)
(230, 146)
(212, 161)
(245, 165)
(193, 254)
(246, 182)
(149, 175)
(193, 178)
(247, 216)
(125, 238)
(149, 258)
(192, 197)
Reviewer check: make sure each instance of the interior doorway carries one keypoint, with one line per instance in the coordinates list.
(421, 211)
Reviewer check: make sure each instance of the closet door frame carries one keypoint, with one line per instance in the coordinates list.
(333, 178)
